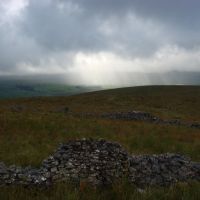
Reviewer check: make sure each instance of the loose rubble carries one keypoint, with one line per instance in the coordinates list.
(138, 116)
(163, 169)
(101, 163)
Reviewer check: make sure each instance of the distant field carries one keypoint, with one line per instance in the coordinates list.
(14, 88)
(30, 134)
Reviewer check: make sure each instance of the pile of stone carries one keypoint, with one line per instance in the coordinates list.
(21, 176)
(145, 116)
(97, 161)
(101, 163)
(163, 169)
(132, 115)
(137, 116)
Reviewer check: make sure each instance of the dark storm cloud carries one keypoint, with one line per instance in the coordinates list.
(180, 17)
(50, 33)
(79, 26)
(75, 24)
(59, 26)
(179, 12)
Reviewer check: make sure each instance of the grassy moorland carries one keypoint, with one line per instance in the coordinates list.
(29, 135)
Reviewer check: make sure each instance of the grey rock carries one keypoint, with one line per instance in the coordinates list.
(100, 163)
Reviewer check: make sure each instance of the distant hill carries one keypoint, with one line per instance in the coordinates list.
(65, 85)
(24, 88)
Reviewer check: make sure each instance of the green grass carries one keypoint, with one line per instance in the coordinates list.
(29, 136)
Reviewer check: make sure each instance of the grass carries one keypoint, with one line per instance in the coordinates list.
(121, 191)
(29, 136)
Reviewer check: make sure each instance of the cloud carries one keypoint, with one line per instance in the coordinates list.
(98, 40)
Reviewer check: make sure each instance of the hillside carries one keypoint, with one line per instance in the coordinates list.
(23, 88)
(31, 128)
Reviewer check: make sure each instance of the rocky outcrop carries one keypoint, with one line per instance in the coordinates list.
(100, 163)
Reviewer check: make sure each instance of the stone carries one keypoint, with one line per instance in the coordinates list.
(137, 116)
(163, 170)
(101, 163)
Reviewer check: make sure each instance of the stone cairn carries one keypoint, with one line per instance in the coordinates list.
(101, 163)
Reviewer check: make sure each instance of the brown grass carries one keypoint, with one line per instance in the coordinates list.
(29, 136)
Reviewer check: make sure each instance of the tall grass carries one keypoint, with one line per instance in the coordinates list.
(29, 136)
(118, 191)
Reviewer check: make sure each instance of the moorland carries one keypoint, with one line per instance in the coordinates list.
(32, 128)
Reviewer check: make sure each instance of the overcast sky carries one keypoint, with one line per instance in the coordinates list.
(99, 40)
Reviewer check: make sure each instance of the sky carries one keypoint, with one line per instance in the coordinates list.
(99, 42)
